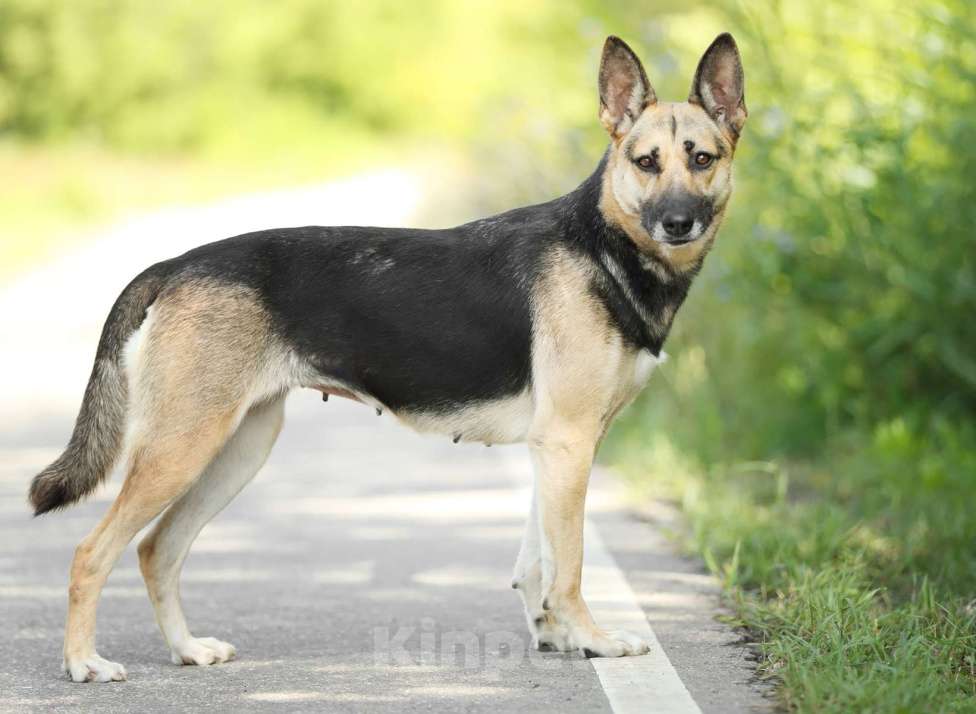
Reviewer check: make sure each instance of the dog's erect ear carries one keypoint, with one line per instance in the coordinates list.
(719, 85)
(624, 89)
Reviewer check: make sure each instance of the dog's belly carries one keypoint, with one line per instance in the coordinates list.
(502, 420)
(495, 421)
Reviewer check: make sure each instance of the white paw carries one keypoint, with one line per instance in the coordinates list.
(551, 634)
(617, 643)
(202, 651)
(93, 669)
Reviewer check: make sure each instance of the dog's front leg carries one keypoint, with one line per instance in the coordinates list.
(562, 455)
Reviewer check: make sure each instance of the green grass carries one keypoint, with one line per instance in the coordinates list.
(855, 572)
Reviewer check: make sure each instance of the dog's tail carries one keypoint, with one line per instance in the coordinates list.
(99, 429)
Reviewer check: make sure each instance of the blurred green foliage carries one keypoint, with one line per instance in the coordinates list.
(110, 106)
(856, 265)
(186, 75)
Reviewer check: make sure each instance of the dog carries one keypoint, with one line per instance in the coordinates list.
(535, 325)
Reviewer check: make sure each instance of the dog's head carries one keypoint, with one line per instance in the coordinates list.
(669, 171)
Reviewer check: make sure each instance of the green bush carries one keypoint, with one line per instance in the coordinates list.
(847, 275)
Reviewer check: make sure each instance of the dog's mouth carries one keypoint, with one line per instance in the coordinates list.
(676, 242)
(661, 237)
(671, 240)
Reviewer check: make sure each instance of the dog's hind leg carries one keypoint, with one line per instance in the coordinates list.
(160, 471)
(162, 552)
(203, 355)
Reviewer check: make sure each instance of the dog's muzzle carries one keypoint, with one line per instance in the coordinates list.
(677, 219)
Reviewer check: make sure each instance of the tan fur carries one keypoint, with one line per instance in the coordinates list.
(625, 186)
(162, 552)
(191, 380)
(583, 374)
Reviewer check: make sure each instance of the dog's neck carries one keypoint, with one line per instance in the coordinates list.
(641, 290)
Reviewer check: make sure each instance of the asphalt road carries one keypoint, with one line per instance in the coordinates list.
(367, 568)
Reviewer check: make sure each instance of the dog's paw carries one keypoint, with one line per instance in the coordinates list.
(202, 651)
(93, 669)
(550, 636)
(617, 643)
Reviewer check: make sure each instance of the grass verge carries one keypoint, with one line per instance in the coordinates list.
(855, 572)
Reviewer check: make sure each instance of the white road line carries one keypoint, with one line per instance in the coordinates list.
(647, 684)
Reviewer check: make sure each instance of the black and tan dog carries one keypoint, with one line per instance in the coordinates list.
(535, 325)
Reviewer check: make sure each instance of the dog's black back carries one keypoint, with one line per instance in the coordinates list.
(420, 319)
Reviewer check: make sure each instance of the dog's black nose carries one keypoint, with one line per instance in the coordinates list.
(677, 225)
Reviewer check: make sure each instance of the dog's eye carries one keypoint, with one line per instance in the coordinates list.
(645, 162)
(703, 159)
